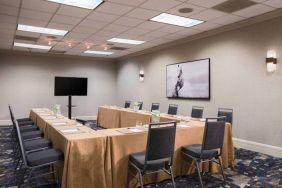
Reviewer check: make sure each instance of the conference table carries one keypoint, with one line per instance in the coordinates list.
(100, 158)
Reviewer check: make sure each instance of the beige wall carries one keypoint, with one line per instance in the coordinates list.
(28, 81)
(238, 79)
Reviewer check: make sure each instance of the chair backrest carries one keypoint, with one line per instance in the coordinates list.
(227, 113)
(172, 109)
(155, 106)
(160, 142)
(213, 133)
(127, 104)
(140, 105)
(197, 112)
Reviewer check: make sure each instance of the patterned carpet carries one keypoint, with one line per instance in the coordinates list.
(252, 170)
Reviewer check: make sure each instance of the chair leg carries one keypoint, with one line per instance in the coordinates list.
(22, 178)
(172, 177)
(221, 166)
(199, 173)
(140, 178)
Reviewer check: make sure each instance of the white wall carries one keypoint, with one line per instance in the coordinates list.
(28, 81)
(238, 79)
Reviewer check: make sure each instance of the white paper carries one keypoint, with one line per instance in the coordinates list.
(69, 130)
(135, 130)
(59, 123)
(183, 126)
(44, 114)
(49, 117)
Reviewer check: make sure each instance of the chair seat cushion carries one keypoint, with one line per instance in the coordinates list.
(23, 119)
(32, 134)
(195, 151)
(28, 128)
(44, 156)
(139, 160)
(25, 123)
(37, 144)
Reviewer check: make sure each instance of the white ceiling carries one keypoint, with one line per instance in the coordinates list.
(115, 18)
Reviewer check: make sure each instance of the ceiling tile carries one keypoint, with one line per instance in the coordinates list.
(160, 5)
(65, 19)
(9, 26)
(171, 29)
(128, 2)
(206, 3)
(60, 26)
(8, 19)
(228, 19)
(143, 14)
(33, 22)
(173, 36)
(150, 25)
(14, 3)
(254, 10)
(113, 8)
(274, 3)
(8, 10)
(73, 11)
(206, 26)
(195, 8)
(62, 46)
(96, 39)
(42, 6)
(92, 24)
(157, 34)
(36, 15)
(115, 27)
(136, 31)
(84, 30)
(208, 14)
(4, 45)
(104, 17)
(130, 22)
(6, 32)
(109, 34)
(189, 32)
(77, 36)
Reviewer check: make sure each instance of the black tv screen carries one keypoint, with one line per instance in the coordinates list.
(70, 86)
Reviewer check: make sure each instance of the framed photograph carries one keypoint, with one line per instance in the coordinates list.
(188, 80)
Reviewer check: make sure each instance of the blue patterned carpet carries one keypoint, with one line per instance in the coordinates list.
(252, 170)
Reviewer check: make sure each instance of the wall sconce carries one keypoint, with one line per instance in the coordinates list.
(141, 76)
(271, 61)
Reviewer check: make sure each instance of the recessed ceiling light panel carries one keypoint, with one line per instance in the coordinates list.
(88, 4)
(44, 30)
(176, 20)
(98, 52)
(25, 45)
(126, 41)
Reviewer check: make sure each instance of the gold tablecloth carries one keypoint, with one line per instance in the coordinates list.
(99, 159)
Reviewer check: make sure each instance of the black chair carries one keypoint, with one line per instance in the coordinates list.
(159, 152)
(197, 112)
(155, 106)
(140, 105)
(172, 109)
(127, 104)
(32, 161)
(227, 113)
(211, 147)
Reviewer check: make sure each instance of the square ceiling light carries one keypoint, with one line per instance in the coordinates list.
(35, 46)
(98, 52)
(43, 30)
(87, 4)
(176, 20)
(126, 41)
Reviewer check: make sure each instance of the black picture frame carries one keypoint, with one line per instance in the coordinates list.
(192, 98)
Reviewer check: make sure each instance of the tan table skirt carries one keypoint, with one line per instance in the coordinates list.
(122, 145)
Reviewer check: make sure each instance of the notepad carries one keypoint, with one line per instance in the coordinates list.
(202, 119)
(44, 114)
(183, 126)
(135, 130)
(59, 123)
(49, 117)
(70, 130)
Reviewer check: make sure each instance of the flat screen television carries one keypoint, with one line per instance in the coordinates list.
(70, 86)
(188, 80)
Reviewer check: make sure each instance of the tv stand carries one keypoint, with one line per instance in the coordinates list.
(70, 106)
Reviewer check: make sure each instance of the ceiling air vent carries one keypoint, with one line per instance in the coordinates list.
(233, 5)
(57, 51)
(20, 37)
(118, 48)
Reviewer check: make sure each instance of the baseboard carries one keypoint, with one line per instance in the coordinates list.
(5, 122)
(258, 147)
